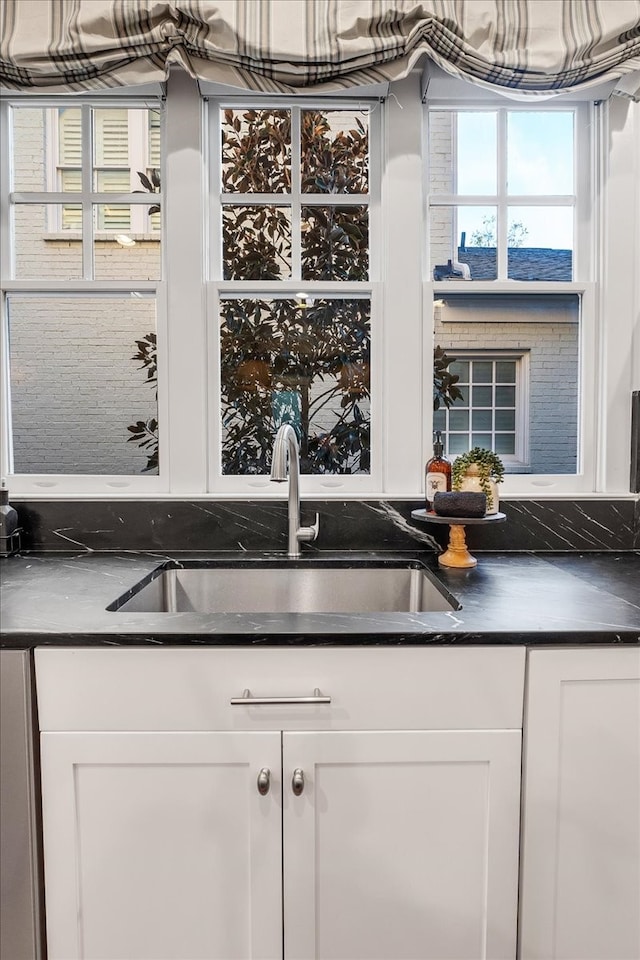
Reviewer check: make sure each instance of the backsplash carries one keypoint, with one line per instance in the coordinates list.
(201, 525)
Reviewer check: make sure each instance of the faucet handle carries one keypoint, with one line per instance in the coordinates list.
(307, 534)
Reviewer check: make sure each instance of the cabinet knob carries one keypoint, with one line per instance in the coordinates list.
(297, 781)
(264, 781)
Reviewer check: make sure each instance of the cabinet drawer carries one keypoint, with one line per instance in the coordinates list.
(387, 688)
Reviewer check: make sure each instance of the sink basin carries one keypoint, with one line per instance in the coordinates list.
(271, 586)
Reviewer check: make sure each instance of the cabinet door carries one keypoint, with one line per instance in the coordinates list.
(160, 845)
(401, 845)
(581, 840)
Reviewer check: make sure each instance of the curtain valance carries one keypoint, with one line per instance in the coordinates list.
(284, 46)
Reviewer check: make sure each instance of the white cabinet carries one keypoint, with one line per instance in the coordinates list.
(160, 845)
(399, 840)
(580, 882)
(402, 844)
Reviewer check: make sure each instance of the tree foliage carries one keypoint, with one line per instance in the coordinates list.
(445, 391)
(280, 359)
(485, 235)
(145, 432)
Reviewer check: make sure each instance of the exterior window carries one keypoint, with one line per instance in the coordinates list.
(126, 148)
(488, 413)
(294, 222)
(82, 317)
(510, 273)
(502, 194)
(519, 391)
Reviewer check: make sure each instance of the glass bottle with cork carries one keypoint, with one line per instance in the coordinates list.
(437, 472)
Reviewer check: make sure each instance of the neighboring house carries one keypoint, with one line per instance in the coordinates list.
(517, 354)
(74, 383)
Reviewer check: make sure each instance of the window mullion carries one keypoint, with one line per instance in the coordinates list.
(502, 221)
(296, 205)
(87, 189)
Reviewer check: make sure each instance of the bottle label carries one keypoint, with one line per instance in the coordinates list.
(434, 483)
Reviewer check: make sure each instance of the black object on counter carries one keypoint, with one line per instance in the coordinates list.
(460, 503)
(9, 529)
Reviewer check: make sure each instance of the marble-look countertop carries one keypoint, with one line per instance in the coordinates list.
(508, 598)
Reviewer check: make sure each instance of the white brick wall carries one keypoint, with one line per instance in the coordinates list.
(75, 387)
(553, 379)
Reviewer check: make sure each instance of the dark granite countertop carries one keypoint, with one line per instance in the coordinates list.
(550, 598)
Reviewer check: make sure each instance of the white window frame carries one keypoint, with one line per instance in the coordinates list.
(219, 289)
(403, 337)
(587, 223)
(521, 456)
(52, 485)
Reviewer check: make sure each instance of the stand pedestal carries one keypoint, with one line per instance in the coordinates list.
(456, 554)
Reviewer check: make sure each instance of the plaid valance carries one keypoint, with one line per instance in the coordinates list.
(287, 46)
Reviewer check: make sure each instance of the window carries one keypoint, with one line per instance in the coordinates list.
(510, 264)
(297, 291)
(126, 149)
(81, 306)
(491, 411)
(502, 193)
(292, 240)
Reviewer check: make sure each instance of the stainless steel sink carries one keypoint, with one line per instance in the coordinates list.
(288, 587)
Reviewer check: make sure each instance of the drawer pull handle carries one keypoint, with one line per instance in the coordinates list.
(246, 700)
(297, 781)
(264, 781)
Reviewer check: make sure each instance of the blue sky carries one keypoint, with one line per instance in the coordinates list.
(539, 162)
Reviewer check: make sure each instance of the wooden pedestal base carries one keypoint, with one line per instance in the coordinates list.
(456, 554)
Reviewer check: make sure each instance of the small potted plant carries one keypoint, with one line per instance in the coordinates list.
(480, 470)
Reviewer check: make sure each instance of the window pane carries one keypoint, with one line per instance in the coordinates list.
(505, 420)
(535, 407)
(505, 371)
(482, 440)
(482, 419)
(256, 151)
(461, 369)
(112, 216)
(458, 443)
(29, 135)
(481, 396)
(335, 243)
(335, 151)
(504, 444)
(42, 251)
(540, 152)
(462, 152)
(540, 243)
(466, 235)
(120, 253)
(256, 243)
(458, 419)
(482, 371)
(71, 181)
(77, 389)
(477, 153)
(505, 396)
(308, 366)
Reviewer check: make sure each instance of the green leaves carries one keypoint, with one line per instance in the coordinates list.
(445, 391)
(271, 348)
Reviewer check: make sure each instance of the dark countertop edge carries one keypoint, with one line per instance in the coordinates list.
(553, 639)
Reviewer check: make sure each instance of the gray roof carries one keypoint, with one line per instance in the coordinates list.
(525, 263)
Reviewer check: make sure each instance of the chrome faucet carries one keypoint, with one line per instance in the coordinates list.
(286, 450)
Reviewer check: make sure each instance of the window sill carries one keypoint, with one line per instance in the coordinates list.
(75, 237)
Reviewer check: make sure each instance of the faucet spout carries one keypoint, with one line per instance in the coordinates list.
(286, 454)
